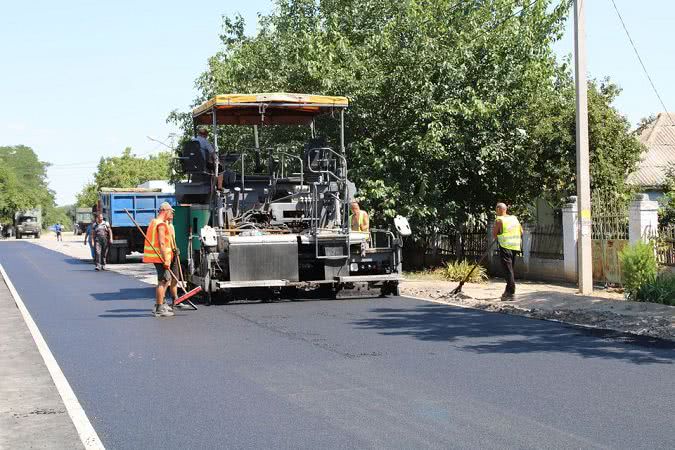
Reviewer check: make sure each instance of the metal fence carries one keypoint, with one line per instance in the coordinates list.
(469, 242)
(610, 226)
(546, 242)
(665, 246)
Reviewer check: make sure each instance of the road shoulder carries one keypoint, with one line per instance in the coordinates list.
(32, 413)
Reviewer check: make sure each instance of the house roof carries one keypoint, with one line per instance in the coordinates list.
(659, 140)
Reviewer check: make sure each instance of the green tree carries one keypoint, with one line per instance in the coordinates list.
(453, 105)
(23, 183)
(125, 171)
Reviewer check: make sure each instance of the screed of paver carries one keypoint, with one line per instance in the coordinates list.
(32, 414)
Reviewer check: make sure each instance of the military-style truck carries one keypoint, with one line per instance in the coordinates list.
(280, 224)
(83, 217)
(28, 223)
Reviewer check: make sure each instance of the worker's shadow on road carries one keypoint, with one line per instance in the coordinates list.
(79, 262)
(484, 333)
(146, 293)
(127, 313)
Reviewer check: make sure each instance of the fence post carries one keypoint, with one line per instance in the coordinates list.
(643, 218)
(570, 222)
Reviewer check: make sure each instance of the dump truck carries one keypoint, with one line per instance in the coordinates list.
(28, 223)
(83, 217)
(142, 204)
(280, 225)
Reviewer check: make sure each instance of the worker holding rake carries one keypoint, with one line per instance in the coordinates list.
(508, 232)
(160, 250)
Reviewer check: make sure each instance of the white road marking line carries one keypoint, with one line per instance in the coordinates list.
(85, 430)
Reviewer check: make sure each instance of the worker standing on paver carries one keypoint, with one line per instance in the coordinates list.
(160, 238)
(508, 232)
(359, 218)
(101, 237)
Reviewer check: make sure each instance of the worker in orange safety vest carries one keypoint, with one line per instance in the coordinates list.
(160, 238)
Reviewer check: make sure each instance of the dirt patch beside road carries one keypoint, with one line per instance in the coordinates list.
(561, 303)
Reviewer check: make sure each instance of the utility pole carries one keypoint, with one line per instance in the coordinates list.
(584, 257)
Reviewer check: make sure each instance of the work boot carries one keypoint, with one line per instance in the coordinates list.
(163, 310)
(506, 297)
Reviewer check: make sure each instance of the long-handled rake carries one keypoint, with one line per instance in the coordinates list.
(458, 289)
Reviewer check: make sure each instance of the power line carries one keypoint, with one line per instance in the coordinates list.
(642, 63)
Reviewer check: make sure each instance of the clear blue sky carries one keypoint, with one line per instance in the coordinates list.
(84, 79)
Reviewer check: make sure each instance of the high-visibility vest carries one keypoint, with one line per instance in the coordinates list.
(149, 253)
(358, 221)
(511, 236)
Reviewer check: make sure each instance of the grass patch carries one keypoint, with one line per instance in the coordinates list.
(458, 270)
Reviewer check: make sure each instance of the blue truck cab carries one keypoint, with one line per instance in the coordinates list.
(143, 206)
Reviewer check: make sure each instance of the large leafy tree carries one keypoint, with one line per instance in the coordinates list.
(23, 184)
(454, 104)
(125, 171)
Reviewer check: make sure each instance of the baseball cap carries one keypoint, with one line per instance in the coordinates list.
(165, 205)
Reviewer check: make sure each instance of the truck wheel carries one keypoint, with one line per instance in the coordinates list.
(37, 236)
(121, 255)
(112, 256)
(18, 236)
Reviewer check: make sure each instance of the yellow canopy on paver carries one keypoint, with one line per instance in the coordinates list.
(266, 108)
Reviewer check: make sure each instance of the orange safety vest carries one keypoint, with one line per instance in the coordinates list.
(149, 253)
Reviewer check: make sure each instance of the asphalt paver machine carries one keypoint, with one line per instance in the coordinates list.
(282, 230)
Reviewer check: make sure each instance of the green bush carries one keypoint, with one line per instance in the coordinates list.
(638, 267)
(457, 271)
(661, 290)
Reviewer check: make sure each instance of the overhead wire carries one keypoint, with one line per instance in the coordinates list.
(644, 68)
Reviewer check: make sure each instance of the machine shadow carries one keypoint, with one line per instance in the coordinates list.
(485, 332)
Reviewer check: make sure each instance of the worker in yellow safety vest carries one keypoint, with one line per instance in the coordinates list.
(359, 219)
(508, 232)
(160, 238)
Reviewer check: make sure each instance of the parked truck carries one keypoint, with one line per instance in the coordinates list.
(83, 217)
(28, 223)
(142, 204)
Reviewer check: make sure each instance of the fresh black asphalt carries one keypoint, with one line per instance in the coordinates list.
(365, 373)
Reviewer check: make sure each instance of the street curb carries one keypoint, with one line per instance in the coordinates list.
(84, 428)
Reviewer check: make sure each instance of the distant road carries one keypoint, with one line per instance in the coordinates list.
(367, 373)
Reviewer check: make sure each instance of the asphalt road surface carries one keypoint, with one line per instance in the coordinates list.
(366, 373)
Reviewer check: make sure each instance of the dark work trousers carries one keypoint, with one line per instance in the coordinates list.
(101, 249)
(508, 259)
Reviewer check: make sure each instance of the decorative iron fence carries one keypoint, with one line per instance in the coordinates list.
(608, 227)
(546, 242)
(468, 242)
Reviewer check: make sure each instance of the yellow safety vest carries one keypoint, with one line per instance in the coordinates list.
(511, 236)
(357, 225)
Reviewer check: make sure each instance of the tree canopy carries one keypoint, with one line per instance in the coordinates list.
(125, 171)
(23, 184)
(454, 105)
